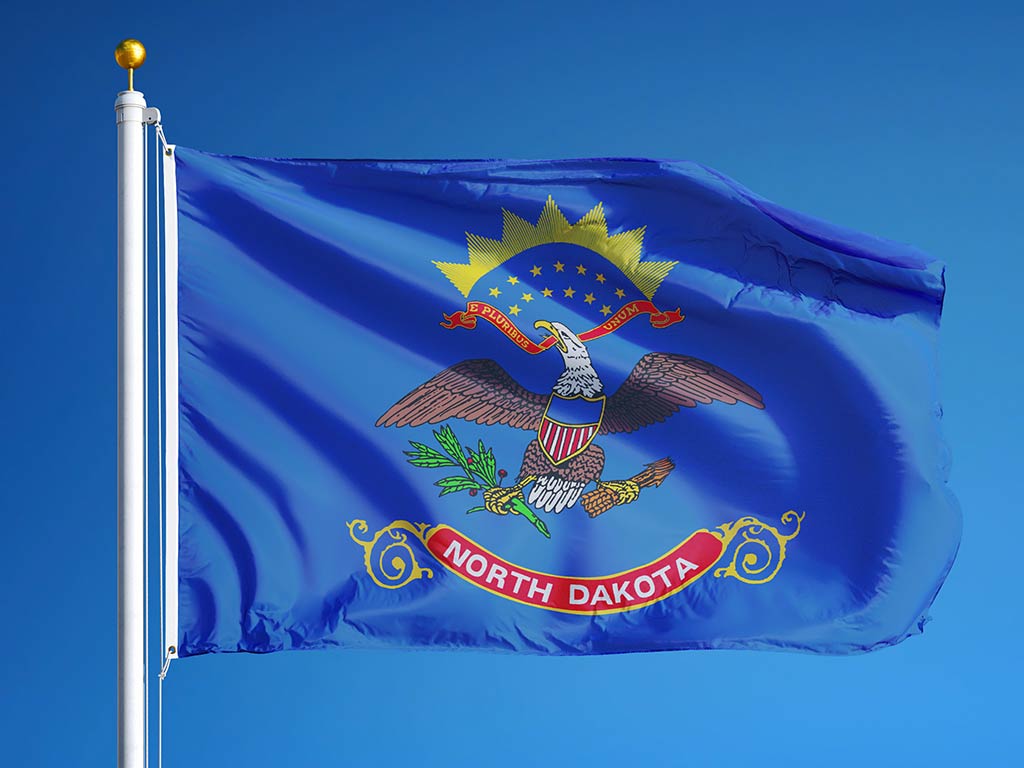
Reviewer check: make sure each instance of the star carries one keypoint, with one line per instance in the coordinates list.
(495, 292)
(527, 297)
(514, 309)
(513, 280)
(589, 298)
(559, 266)
(546, 292)
(600, 278)
(535, 271)
(620, 293)
(606, 310)
(581, 269)
(569, 293)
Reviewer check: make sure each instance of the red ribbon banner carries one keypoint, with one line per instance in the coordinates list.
(480, 309)
(588, 595)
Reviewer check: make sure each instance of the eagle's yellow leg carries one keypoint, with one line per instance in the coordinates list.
(497, 500)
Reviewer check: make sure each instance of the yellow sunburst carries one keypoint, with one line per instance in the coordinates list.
(591, 232)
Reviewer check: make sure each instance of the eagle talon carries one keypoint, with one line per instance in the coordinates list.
(499, 500)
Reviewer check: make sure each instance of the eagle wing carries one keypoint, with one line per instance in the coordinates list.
(475, 390)
(662, 383)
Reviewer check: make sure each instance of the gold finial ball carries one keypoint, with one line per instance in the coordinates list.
(130, 54)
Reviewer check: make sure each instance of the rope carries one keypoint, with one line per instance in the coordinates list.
(161, 412)
(163, 138)
(145, 434)
(159, 437)
(160, 711)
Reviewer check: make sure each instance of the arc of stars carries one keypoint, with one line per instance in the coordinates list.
(547, 293)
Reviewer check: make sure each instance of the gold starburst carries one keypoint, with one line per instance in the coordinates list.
(591, 232)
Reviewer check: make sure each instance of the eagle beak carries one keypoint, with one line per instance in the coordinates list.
(553, 331)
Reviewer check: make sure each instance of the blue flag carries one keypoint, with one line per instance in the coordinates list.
(553, 407)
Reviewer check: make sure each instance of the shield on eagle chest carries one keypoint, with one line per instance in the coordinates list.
(569, 425)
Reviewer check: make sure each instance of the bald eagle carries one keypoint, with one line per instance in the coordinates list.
(563, 459)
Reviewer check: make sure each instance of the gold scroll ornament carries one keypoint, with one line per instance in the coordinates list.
(759, 548)
(389, 559)
(755, 550)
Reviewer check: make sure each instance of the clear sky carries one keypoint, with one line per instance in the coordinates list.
(903, 120)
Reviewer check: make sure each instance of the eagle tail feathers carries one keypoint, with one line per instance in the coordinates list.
(551, 493)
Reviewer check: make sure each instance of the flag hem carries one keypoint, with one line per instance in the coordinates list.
(171, 401)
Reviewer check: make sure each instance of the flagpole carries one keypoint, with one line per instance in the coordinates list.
(130, 108)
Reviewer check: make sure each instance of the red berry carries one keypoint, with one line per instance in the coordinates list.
(502, 473)
(472, 491)
(469, 461)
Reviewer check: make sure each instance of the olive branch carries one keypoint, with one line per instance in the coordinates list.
(479, 467)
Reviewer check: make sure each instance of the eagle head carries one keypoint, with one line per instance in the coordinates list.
(579, 377)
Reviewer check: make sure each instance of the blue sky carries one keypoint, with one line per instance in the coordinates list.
(903, 122)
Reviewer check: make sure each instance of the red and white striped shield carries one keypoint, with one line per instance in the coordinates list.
(569, 425)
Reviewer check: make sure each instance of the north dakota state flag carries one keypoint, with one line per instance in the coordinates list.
(554, 407)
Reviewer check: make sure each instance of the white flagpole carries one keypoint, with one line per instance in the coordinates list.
(130, 108)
